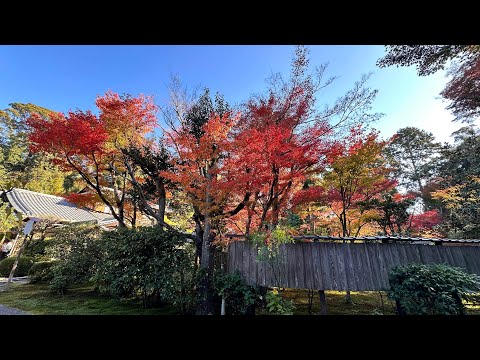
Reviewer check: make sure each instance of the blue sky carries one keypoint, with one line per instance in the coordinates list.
(69, 77)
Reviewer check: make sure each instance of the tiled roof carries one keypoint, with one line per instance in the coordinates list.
(388, 238)
(372, 238)
(44, 206)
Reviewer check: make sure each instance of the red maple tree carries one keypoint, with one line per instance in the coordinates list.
(92, 145)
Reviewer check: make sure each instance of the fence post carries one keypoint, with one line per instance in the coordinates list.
(222, 307)
(323, 302)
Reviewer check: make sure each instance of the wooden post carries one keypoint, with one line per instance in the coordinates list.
(15, 264)
(323, 302)
(222, 306)
(28, 231)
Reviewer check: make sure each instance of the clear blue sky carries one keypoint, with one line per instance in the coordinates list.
(69, 77)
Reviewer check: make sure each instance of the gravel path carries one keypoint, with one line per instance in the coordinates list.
(6, 310)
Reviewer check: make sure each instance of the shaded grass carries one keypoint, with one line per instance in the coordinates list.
(37, 299)
(363, 303)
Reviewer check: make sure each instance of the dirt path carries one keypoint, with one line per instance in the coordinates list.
(6, 310)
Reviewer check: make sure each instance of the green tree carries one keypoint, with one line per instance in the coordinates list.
(8, 219)
(392, 207)
(355, 175)
(144, 163)
(459, 190)
(3, 171)
(413, 152)
(462, 158)
(18, 166)
(428, 59)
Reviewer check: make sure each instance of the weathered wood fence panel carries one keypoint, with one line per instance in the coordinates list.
(342, 266)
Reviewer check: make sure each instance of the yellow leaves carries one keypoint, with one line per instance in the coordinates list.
(450, 196)
(126, 119)
(456, 196)
(370, 215)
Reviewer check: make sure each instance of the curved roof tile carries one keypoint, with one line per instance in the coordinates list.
(45, 206)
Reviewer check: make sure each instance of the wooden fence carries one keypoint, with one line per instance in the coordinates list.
(341, 266)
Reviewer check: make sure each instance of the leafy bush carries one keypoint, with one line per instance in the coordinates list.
(77, 250)
(277, 305)
(41, 271)
(23, 266)
(431, 289)
(238, 297)
(35, 248)
(156, 265)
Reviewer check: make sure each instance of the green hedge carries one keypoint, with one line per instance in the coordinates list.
(433, 289)
(23, 267)
(77, 250)
(41, 271)
(155, 265)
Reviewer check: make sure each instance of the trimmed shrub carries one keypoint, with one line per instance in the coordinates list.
(23, 266)
(35, 248)
(77, 250)
(41, 271)
(145, 262)
(432, 289)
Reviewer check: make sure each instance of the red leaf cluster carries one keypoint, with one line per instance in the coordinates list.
(88, 200)
(127, 118)
(426, 220)
(78, 133)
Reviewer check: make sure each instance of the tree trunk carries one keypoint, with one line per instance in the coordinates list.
(272, 196)
(263, 217)
(275, 202)
(392, 229)
(162, 203)
(343, 220)
(121, 213)
(205, 305)
(275, 212)
(205, 288)
(134, 216)
(311, 219)
(198, 237)
(250, 214)
(311, 294)
(247, 225)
